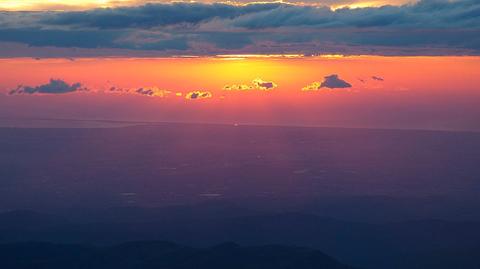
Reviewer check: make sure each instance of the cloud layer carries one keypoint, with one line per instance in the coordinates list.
(59, 86)
(427, 27)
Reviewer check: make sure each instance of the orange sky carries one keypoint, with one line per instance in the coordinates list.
(291, 74)
(439, 92)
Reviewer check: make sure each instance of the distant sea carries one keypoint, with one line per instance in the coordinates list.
(64, 123)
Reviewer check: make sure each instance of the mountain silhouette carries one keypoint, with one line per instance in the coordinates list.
(162, 255)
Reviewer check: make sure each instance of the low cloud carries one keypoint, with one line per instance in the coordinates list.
(144, 91)
(377, 78)
(55, 86)
(331, 82)
(237, 87)
(315, 86)
(118, 90)
(264, 85)
(257, 84)
(153, 91)
(194, 95)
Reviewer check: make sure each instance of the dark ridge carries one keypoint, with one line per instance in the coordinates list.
(162, 255)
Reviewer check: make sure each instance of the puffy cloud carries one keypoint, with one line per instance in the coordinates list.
(117, 90)
(331, 82)
(55, 86)
(257, 84)
(144, 91)
(377, 78)
(264, 85)
(315, 86)
(153, 91)
(238, 87)
(194, 95)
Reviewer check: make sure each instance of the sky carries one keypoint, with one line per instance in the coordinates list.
(348, 63)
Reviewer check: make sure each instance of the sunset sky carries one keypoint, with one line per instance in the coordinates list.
(376, 64)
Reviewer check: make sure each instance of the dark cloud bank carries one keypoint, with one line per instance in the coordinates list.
(55, 86)
(427, 27)
(331, 82)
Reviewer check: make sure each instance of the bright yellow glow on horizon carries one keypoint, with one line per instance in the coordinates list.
(373, 3)
(176, 77)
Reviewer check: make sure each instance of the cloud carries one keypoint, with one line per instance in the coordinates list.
(55, 86)
(257, 84)
(153, 91)
(38, 5)
(264, 15)
(237, 87)
(117, 90)
(331, 82)
(264, 85)
(194, 95)
(377, 78)
(143, 91)
(425, 14)
(154, 15)
(427, 27)
(35, 36)
(315, 86)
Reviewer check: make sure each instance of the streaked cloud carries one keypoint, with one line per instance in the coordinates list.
(144, 91)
